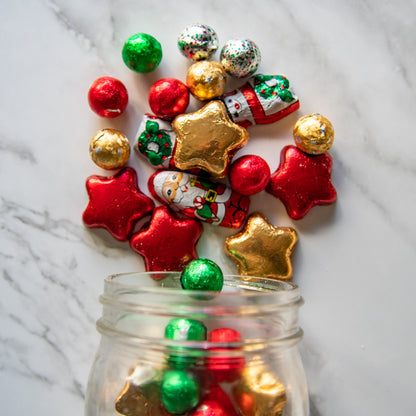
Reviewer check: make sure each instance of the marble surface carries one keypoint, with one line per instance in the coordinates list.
(351, 61)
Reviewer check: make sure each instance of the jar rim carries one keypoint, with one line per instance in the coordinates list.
(243, 299)
(249, 285)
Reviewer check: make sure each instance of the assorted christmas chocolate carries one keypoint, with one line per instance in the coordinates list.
(192, 153)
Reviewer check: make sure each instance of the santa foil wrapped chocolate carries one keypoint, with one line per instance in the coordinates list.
(200, 198)
(264, 99)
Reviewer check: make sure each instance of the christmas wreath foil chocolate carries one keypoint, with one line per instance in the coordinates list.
(264, 99)
(199, 197)
(156, 141)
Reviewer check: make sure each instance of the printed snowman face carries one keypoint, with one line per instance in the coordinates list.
(237, 107)
(234, 106)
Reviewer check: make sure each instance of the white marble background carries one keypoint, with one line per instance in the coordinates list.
(352, 61)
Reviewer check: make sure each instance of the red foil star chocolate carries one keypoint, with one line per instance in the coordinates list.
(116, 203)
(302, 181)
(168, 243)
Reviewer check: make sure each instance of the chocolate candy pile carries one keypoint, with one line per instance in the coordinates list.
(192, 153)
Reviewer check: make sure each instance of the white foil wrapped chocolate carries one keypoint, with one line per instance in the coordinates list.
(156, 141)
(198, 42)
(264, 99)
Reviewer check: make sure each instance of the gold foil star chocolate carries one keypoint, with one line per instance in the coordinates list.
(207, 139)
(262, 249)
(140, 395)
(259, 393)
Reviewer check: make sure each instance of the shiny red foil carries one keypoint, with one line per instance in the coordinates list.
(225, 367)
(168, 242)
(108, 97)
(249, 175)
(116, 203)
(215, 403)
(302, 181)
(209, 408)
(168, 98)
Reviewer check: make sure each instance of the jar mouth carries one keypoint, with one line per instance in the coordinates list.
(259, 308)
(161, 293)
(169, 283)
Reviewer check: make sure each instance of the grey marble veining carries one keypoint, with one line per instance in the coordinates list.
(351, 61)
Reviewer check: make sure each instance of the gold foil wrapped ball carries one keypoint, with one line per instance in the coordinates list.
(313, 134)
(206, 80)
(109, 149)
(258, 392)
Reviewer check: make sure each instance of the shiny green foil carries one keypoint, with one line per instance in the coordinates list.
(142, 53)
(179, 391)
(183, 329)
(202, 274)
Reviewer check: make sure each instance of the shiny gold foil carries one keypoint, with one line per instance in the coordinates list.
(262, 249)
(140, 395)
(109, 149)
(206, 80)
(259, 393)
(207, 139)
(313, 134)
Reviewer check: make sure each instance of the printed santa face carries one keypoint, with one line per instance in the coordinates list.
(200, 198)
(173, 187)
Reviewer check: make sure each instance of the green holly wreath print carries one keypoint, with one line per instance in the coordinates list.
(155, 143)
(270, 86)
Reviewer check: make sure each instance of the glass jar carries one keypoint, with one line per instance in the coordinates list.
(252, 366)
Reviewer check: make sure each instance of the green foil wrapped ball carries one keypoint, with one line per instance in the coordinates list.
(142, 53)
(202, 274)
(183, 329)
(179, 392)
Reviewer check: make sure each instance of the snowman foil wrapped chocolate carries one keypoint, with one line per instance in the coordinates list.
(264, 99)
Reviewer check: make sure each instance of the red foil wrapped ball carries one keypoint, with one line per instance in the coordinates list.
(209, 408)
(249, 175)
(108, 97)
(225, 367)
(168, 98)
